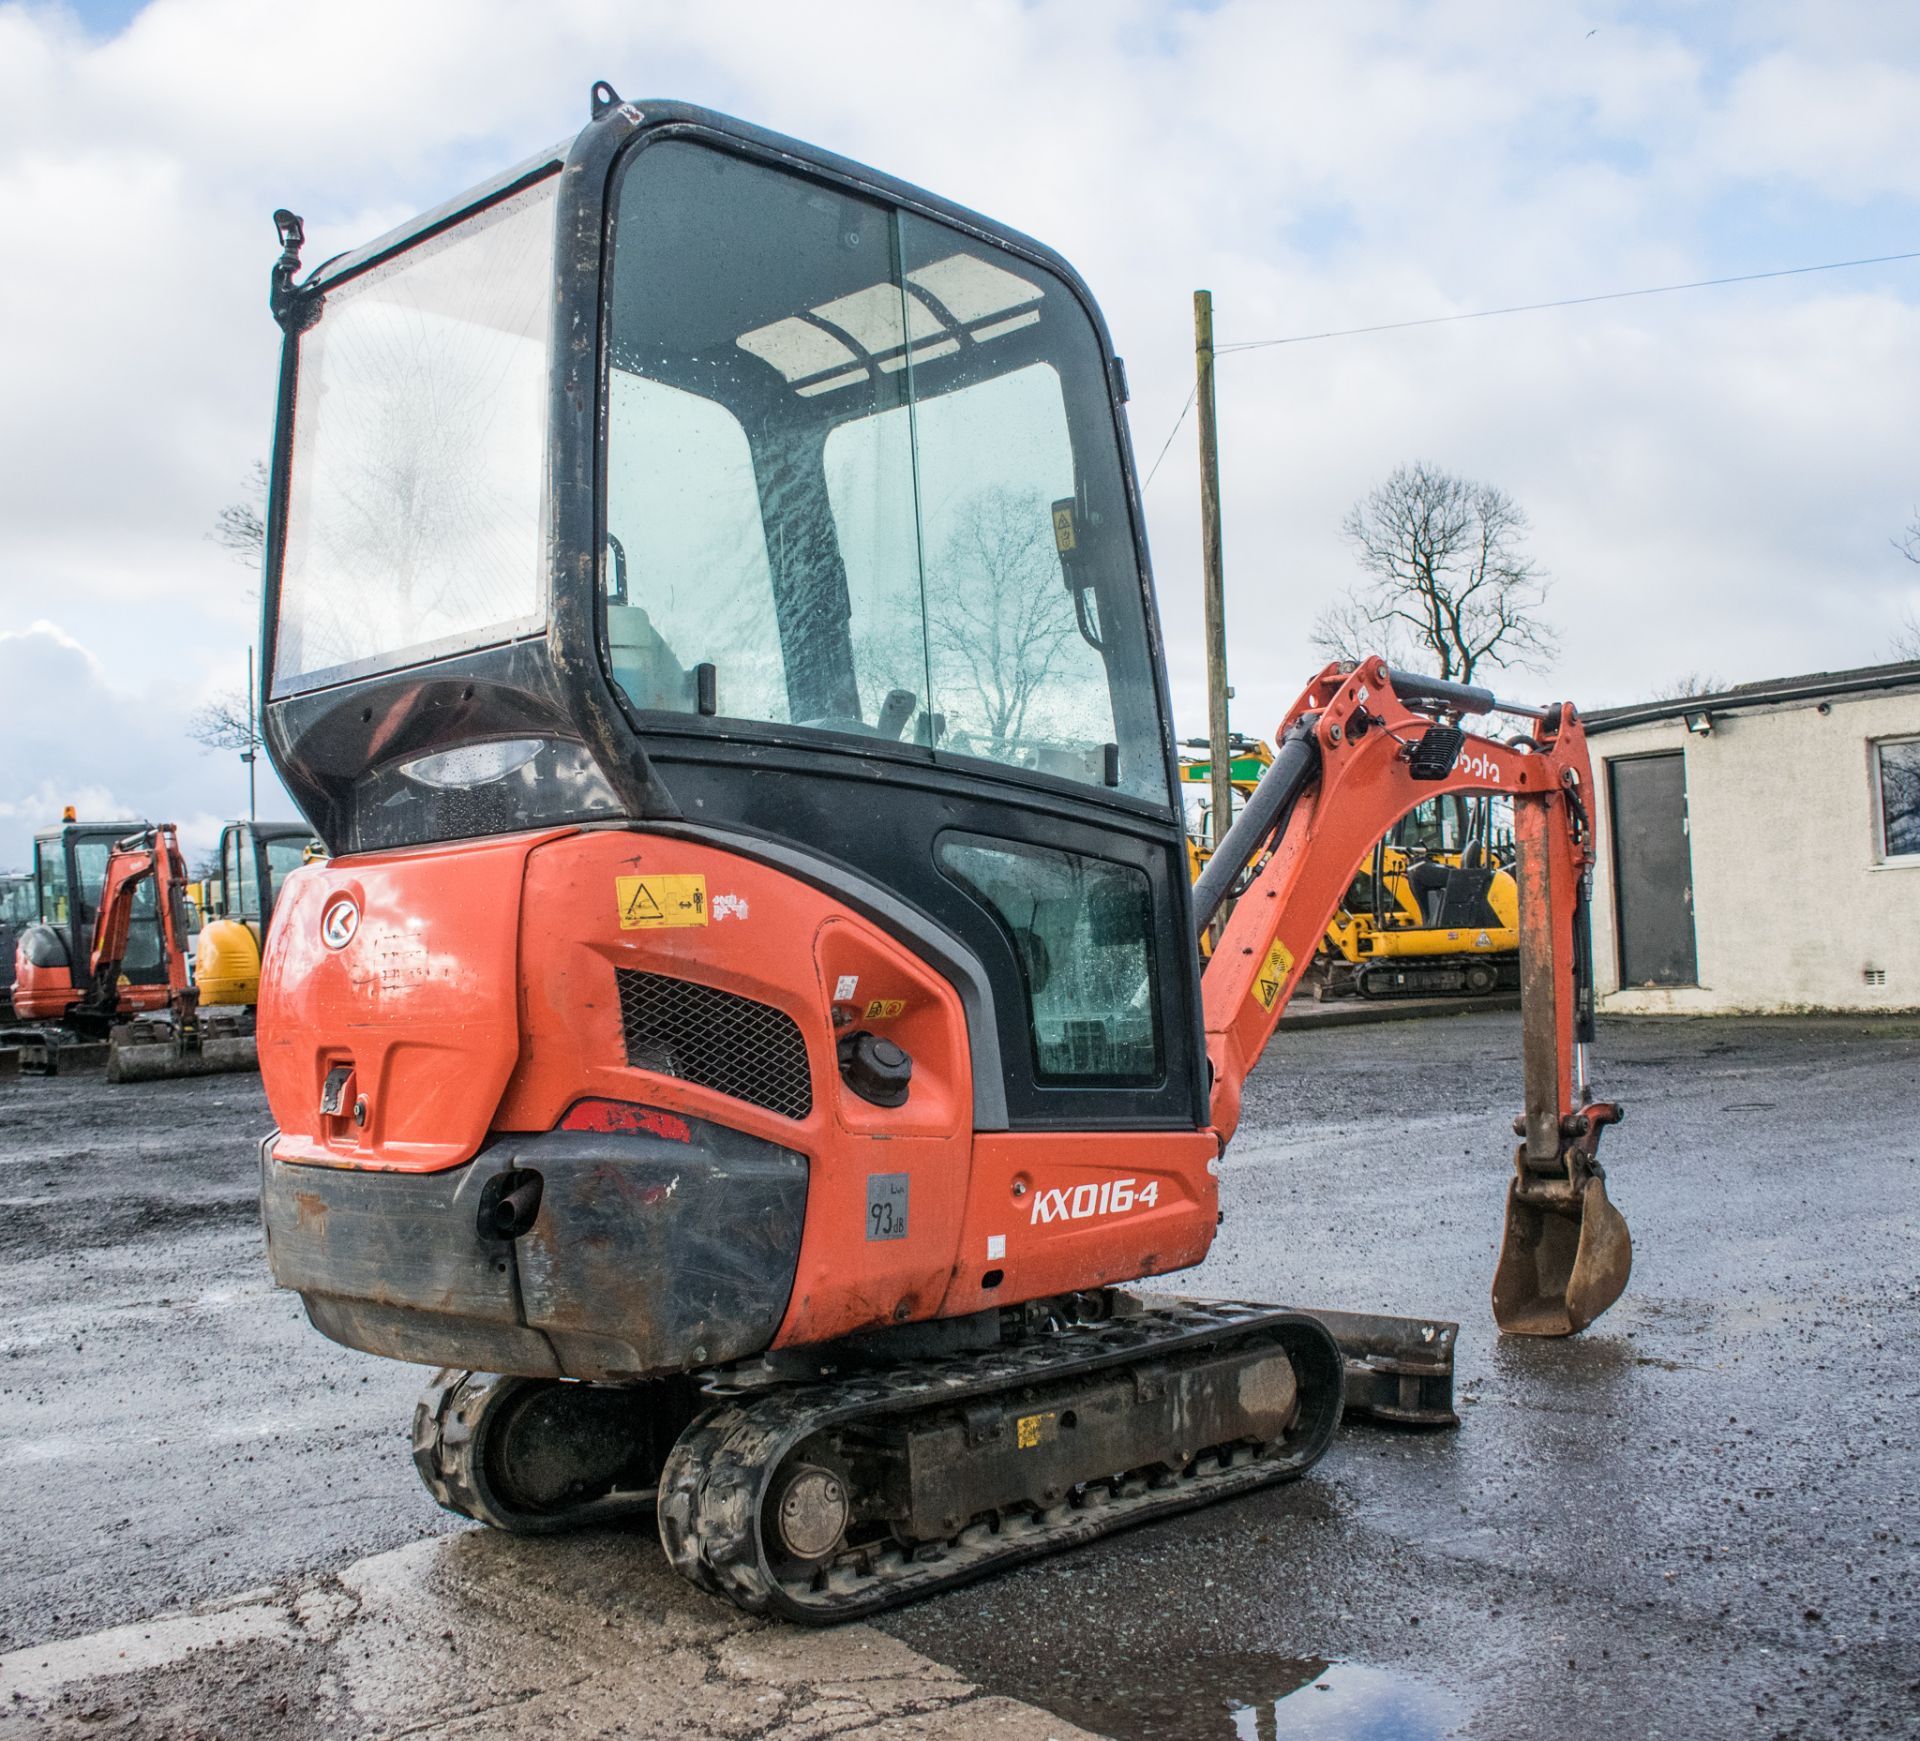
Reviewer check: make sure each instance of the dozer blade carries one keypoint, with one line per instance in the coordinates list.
(1565, 1258)
(159, 1060)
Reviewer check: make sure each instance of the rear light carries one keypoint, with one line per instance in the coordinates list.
(623, 1118)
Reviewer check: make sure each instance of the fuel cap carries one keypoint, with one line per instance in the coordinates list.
(875, 1068)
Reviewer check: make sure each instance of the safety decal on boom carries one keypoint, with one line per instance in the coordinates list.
(1271, 980)
(654, 902)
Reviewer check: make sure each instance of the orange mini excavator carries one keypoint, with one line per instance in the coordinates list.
(753, 1024)
(136, 907)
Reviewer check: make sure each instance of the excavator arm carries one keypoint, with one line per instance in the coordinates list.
(154, 854)
(1360, 748)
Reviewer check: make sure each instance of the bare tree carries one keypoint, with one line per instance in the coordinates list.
(1347, 630)
(241, 527)
(1685, 687)
(1445, 577)
(1905, 642)
(230, 721)
(997, 614)
(224, 723)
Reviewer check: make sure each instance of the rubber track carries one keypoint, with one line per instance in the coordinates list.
(450, 1427)
(719, 1476)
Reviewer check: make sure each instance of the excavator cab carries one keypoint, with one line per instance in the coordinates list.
(53, 954)
(254, 859)
(752, 1024)
(826, 543)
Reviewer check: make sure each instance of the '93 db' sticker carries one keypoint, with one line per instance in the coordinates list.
(886, 1205)
(1271, 980)
(654, 902)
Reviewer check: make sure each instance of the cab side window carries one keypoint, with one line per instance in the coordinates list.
(1082, 931)
(51, 867)
(244, 885)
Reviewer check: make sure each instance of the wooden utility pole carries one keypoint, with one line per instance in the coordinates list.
(251, 753)
(1219, 749)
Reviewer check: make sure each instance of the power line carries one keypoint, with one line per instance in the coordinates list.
(1171, 433)
(1564, 302)
(1349, 332)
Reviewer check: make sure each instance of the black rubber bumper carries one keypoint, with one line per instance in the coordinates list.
(647, 1255)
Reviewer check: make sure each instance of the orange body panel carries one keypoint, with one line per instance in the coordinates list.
(418, 1000)
(41, 993)
(1050, 1213)
(45, 994)
(458, 1027)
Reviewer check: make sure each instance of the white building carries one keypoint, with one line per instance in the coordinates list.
(1760, 848)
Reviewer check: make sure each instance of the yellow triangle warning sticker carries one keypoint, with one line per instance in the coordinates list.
(651, 903)
(1271, 980)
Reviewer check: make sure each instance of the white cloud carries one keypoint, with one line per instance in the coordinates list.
(74, 737)
(1713, 478)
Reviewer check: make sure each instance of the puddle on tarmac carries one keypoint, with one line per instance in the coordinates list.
(1261, 1698)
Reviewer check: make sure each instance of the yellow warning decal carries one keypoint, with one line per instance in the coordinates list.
(1031, 1431)
(1063, 539)
(1271, 980)
(655, 902)
(884, 1009)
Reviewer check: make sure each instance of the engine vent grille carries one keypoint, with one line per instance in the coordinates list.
(1874, 975)
(745, 1050)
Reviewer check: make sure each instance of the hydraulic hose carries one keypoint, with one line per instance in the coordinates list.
(1262, 817)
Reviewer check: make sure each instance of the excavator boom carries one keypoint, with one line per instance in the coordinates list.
(1361, 747)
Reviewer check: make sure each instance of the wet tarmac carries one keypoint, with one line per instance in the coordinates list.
(1696, 1520)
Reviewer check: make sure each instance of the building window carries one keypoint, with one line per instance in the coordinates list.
(1896, 782)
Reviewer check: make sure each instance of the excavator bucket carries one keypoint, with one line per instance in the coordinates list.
(1565, 1258)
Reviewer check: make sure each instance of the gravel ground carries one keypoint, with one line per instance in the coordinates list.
(1696, 1520)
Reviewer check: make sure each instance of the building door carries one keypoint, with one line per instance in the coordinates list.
(1653, 871)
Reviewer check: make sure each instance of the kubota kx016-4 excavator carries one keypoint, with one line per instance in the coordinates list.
(752, 1024)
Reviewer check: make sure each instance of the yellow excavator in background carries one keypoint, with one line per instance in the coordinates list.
(1250, 758)
(1434, 913)
(237, 902)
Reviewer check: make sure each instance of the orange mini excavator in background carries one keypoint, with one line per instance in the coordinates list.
(753, 1025)
(152, 1029)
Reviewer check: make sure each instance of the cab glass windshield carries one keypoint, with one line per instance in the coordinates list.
(862, 478)
(417, 474)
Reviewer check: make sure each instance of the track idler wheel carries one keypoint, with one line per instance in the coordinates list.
(534, 1456)
(809, 1517)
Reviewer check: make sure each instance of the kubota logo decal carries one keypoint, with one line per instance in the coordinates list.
(339, 919)
(1479, 766)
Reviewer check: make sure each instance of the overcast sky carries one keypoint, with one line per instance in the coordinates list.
(1715, 478)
